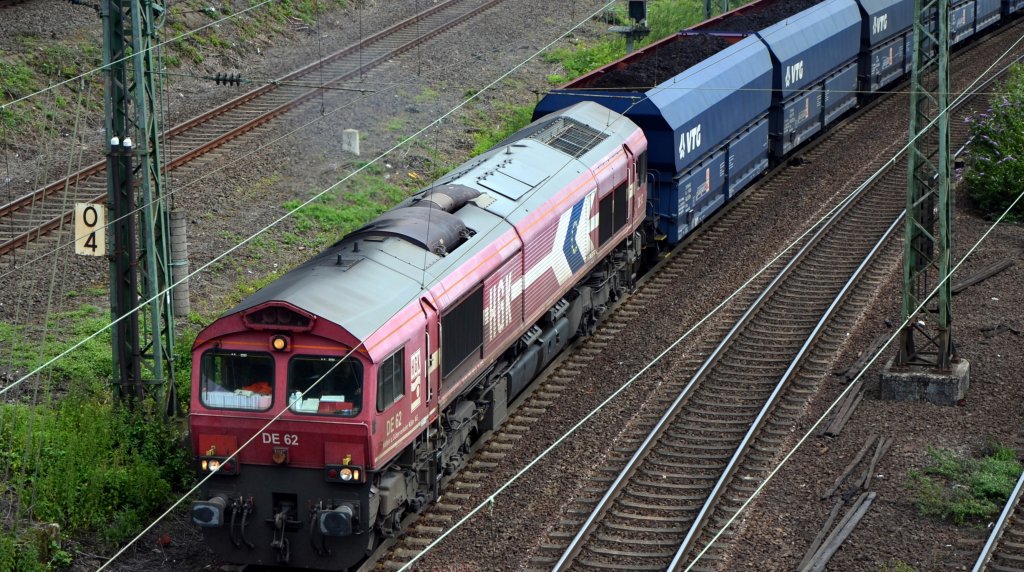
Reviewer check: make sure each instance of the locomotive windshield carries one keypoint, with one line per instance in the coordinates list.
(237, 380)
(339, 392)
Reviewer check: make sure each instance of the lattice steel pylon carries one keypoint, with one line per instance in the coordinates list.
(143, 341)
(926, 340)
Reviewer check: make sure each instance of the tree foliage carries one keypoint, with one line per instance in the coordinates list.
(995, 177)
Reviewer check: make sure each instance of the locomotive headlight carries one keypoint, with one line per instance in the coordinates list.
(218, 465)
(280, 343)
(343, 474)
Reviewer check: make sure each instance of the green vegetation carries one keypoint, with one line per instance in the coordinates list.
(90, 364)
(492, 127)
(995, 177)
(18, 80)
(73, 457)
(665, 17)
(396, 124)
(960, 489)
(34, 66)
(334, 214)
(427, 95)
(89, 466)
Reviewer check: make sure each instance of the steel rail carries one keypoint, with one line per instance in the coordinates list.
(1000, 526)
(695, 529)
(663, 423)
(40, 195)
(231, 105)
(626, 473)
(727, 473)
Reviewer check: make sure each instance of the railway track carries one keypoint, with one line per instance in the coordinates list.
(721, 431)
(1004, 551)
(681, 476)
(235, 123)
(694, 467)
(718, 438)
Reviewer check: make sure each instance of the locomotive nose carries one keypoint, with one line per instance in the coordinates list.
(209, 513)
(337, 522)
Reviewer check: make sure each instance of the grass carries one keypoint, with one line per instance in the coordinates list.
(89, 365)
(88, 466)
(997, 144)
(491, 127)
(665, 17)
(961, 489)
(355, 203)
(396, 124)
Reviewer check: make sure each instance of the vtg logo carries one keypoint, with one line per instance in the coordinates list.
(794, 73)
(879, 24)
(689, 141)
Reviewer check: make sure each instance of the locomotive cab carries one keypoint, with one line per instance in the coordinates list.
(281, 424)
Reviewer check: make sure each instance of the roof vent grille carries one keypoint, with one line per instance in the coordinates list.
(570, 136)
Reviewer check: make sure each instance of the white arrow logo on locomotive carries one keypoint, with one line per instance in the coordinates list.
(573, 236)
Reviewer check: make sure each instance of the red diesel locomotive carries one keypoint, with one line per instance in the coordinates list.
(382, 359)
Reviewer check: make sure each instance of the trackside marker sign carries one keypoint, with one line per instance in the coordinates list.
(90, 229)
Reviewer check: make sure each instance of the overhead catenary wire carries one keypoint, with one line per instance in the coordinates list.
(491, 498)
(94, 71)
(853, 383)
(216, 170)
(304, 203)
(405, 141)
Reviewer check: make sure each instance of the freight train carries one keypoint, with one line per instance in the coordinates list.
(386, 356)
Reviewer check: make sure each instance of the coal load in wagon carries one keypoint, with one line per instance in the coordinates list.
(664, 63)
(758, 17)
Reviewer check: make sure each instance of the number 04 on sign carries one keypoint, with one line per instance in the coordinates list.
(90, 229)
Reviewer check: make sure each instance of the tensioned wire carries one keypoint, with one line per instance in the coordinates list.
(310, 200)
(128, 57)
(489, 501)
(849, 387)
(56, 278)
(276, 222)
(160, 44)
(321, 193)
(896, 333)
(230, 163)
(34, 426)
(245, 241)
(595, 96)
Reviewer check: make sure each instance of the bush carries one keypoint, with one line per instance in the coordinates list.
(995, 177)
(960, 489)
(91, 467)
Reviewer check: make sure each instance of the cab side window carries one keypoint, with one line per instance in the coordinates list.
(391, 380)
